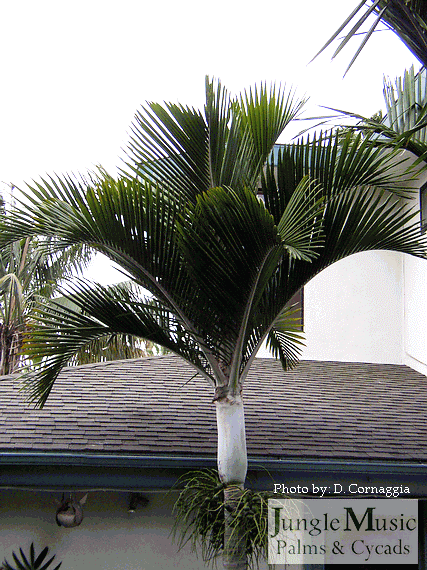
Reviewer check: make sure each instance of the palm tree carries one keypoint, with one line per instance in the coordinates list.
(186, 222)
(407, 18)
(27, 272)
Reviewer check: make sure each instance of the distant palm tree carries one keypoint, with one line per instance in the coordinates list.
(27, 272)
(187, 223)
(404, 123)
(407, 18)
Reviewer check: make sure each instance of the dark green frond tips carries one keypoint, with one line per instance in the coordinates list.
(407, 18)
(33, 563)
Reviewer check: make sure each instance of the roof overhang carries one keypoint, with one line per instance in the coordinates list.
(55, 471)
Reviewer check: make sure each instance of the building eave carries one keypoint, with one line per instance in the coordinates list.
(56, 471)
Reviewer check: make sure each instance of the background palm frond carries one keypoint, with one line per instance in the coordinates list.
(407, 18)
(403, 126)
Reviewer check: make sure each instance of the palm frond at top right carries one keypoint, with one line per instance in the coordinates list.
(406, 18)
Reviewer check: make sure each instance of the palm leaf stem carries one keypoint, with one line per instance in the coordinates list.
(24, 255)
(236, 378)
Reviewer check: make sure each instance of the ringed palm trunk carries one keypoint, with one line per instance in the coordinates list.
(232, 469)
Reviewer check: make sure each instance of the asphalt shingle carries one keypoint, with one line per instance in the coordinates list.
(153, 406)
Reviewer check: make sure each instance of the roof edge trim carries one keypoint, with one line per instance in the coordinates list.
(158, 462)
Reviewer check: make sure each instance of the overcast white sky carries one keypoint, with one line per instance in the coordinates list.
(74, 72)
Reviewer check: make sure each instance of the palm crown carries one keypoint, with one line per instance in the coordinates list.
(185, 221)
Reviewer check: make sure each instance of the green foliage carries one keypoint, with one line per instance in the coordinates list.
(32, 562)
(186, 223)
(404, 125)
(407, 18)
(250, 524)
(199, 514)
(199, 518)
(32, 271)
(113, 345)
(28, 271)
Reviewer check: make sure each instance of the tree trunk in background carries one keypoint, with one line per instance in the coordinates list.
(10, 346)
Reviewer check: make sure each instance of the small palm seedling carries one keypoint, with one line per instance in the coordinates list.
(32, 563)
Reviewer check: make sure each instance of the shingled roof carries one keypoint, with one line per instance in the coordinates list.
(155, 406)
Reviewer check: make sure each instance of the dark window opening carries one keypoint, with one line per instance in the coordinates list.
(298, 301)
(423, 208)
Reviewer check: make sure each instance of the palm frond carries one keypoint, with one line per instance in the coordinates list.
(289, 277)
(109, 347)
(59, 332)
(341, 28)
(225, 147)
(300, 239)
(265, 114)
(227, 138)
(301, 223)
(404, 126)
(285, 338)
(170, 145)
(369, 220)
(406, 118)
(131, 222)
(226, 239)
(341, 162)
(13, 298)
(407, 18)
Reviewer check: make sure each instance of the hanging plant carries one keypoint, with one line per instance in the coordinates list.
(199, 518)
(70, 511)
(31, 563)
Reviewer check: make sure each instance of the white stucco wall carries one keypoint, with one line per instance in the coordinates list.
(353, 310)
(415, 313)
(109, 538)
(415, 317)
(370, 307)
(415, 302)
